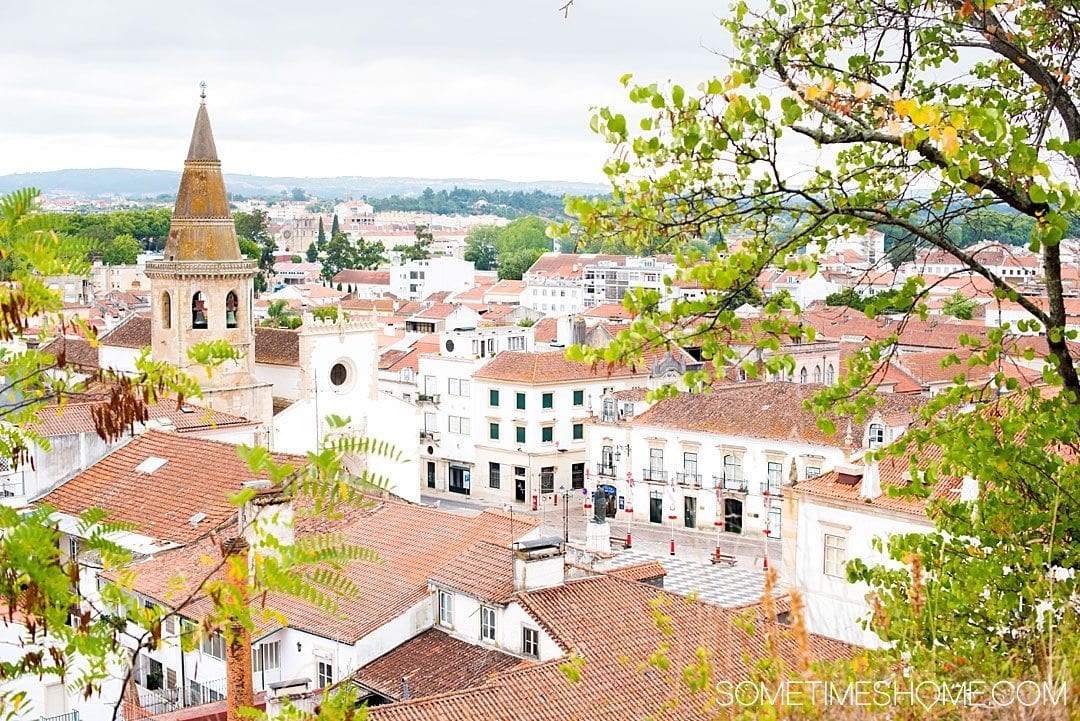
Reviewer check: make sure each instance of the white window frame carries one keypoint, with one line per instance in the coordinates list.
(266, 657)
(446, 609)
(324, 673)
(487, 624)
(530, 642)
(834, 551)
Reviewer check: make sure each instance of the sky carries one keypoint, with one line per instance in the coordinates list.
(422, 88)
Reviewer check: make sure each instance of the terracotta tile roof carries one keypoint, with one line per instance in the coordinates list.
(485, 571)
(132, 333)
(833, 323)
(567, 266)
(763, 410)
(277, 346)
(74, 351)
(410, 543)
(437, 311)
(894, 472)
(546, 329)
(438, 296)
(161, 502)
(611, 623)
(549, 367)
(927, 367)
(639, 571)
(73, 418)
(363, 277)
(609, 311)
(433, 663)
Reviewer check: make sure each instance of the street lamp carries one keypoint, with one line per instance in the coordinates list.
(565, 514)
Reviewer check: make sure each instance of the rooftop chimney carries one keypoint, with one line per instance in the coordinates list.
(871, 481)
(539, 563)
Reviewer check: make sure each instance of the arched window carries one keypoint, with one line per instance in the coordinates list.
(166, 310)
(877, 436)
(830, 375)
(803, 375)
(232, 304)
(198, 310)
(817, 374)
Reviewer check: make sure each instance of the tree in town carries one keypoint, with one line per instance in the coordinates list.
(419, 250)
(960, 307)
(514, 263)
(298, 195)
(334, 228)
(368, 255)
(122, 250)
(337, 256)
(480, 248)
(925, 114)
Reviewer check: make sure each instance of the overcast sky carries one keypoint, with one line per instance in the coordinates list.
(476, 88)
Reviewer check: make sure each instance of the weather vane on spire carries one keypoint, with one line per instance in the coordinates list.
(202, 87)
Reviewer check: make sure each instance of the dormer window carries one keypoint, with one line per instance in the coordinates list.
(876, 437)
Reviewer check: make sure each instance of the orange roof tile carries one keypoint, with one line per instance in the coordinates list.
(485, 571)
(549, 367)
(132, 333)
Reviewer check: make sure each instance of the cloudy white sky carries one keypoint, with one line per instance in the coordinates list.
(426, 88)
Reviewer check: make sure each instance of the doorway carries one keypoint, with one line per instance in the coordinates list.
(459, 480)
(431, 474)
(656, 507)
(733, 508)
(689, 512)
(519, 484)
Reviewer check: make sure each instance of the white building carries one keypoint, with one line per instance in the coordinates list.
(417, 279)
(722, 459)
(450, 412)
(835, 518)
(607, 281)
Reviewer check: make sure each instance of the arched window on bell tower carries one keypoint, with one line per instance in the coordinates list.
(198, 311)
(232, 305)
(166, 310)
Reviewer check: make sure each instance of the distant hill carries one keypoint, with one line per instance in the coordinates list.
(135, 183)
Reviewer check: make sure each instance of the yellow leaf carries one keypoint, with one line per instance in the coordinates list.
(811, 92)
(904, 107)
(950, 143)
(828, 86)
(862, 90)
(957, 120)
(924, 115)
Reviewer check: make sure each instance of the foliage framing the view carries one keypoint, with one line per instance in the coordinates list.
(916, 118)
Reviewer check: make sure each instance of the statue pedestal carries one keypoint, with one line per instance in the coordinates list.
(598, 536)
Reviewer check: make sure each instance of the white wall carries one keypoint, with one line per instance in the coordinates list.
(834, 606)
(285, 379)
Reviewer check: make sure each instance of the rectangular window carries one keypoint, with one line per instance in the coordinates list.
(516, 342)
(579, 398)
(431, 385)
(548, 400)
(577, 476)
(813, 471)
(214, 646)
(530, 642)
(458, 424)
(324, 674)
(493, 431)
(579, 431)
(493, 397)
(463, 388)
(446, 608)
(487, 624)
(264, 657)
(73, 547)
(547, 434)
(547, 479)
(429, 423)
(835, 555)
(494, 474)
(776, 470)
(656, 463)
(520, 434)
(689, 464)
(521, 401)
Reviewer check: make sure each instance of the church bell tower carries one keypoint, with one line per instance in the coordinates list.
(203, 290)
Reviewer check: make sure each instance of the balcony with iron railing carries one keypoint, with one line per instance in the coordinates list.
(603, 469)
(69, 716)
(654, 475)
(428, 398)
(733, 483)
(688, 479)
(428, 435)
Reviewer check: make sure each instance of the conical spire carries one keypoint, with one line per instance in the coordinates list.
(202, 227)
(202, 138)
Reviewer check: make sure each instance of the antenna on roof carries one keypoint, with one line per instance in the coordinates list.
(202, 88)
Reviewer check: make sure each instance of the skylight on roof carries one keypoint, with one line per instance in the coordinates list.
(151, 464)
